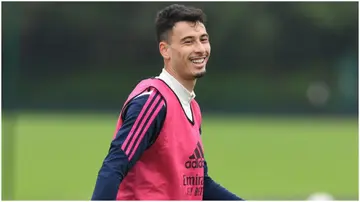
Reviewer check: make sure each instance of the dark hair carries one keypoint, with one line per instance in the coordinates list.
(167, 17)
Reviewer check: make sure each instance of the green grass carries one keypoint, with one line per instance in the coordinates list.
(57, 156)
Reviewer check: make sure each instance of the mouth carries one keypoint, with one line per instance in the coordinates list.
(198, 61)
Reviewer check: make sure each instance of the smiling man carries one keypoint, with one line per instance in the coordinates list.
(156, 152)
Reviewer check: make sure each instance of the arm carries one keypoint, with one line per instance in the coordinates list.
(123, 154)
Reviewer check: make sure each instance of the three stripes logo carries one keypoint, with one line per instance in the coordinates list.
(148, 113)
(196, 160)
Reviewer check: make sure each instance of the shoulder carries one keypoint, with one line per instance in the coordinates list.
(150, 101)
(196, 104)
(150, 97)
(196, 107)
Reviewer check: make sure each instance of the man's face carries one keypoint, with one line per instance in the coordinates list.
(189, 49)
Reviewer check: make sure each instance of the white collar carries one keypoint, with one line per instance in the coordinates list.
(183, 94)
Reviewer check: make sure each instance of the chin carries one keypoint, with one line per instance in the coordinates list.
(200, 74)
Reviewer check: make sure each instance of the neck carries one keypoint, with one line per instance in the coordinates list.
(188, 84)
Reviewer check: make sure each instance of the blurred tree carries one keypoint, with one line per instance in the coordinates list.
(270, 52)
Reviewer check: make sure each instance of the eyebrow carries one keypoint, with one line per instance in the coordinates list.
(191, 37)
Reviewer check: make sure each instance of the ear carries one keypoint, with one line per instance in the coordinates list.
(164, 49)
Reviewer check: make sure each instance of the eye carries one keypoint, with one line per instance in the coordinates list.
(205, 39)
(187, 42)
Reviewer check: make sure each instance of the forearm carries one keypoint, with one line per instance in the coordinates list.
(112, 172)
(214, 191)
(107, 184)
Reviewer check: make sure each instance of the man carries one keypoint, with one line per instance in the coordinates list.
(157, 153)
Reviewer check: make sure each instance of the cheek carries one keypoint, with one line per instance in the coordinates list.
(208, 48)
(180, 55)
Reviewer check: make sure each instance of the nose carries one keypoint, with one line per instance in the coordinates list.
(199, 48)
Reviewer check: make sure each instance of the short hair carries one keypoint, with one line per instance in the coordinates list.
(170, 15)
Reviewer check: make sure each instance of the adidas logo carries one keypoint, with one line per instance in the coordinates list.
(196, 160)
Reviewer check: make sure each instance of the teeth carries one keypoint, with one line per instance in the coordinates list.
(198, 61)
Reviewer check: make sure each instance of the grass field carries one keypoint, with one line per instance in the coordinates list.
(57, 156)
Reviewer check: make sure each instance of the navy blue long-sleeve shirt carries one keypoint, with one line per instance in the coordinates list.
(116, 163)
